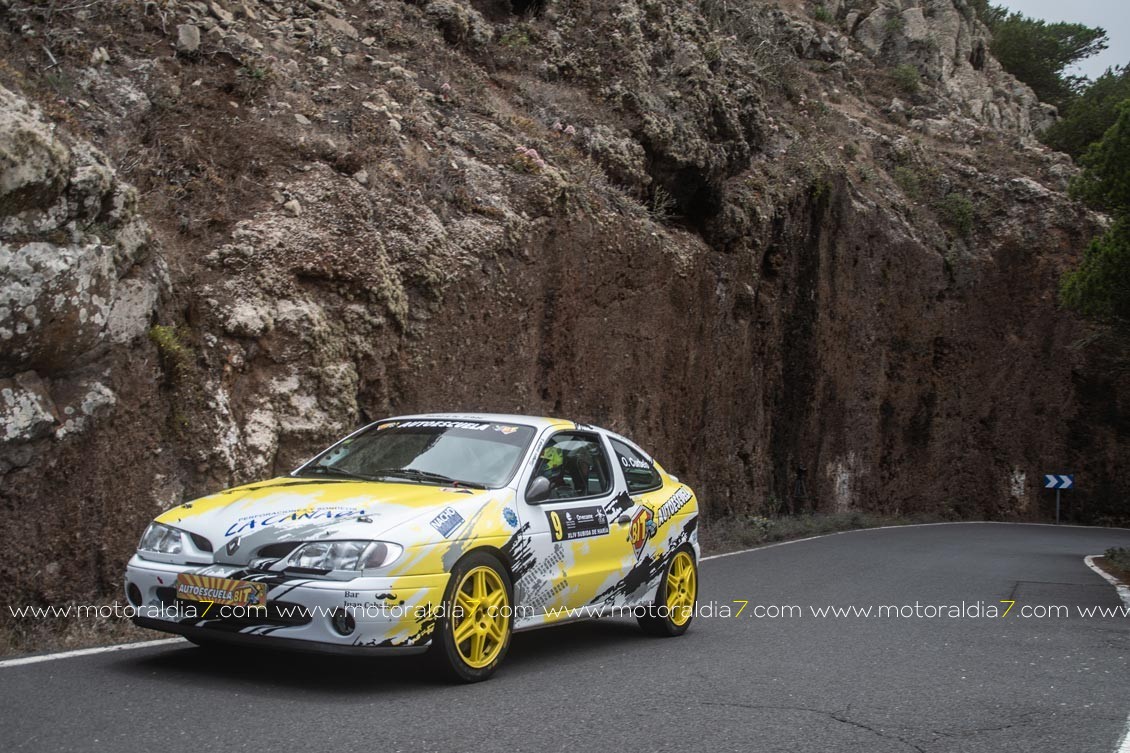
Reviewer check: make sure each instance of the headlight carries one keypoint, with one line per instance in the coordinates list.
(343, 555)
(161, 539)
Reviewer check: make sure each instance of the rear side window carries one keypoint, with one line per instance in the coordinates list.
(638, 470)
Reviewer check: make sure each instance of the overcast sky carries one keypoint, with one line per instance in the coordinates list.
(1112, 15)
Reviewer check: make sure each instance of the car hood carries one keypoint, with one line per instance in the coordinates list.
(242, 521)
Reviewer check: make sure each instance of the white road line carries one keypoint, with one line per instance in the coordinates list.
(1123, 593)
(907, 525)
(87, 652)
(1124, 746)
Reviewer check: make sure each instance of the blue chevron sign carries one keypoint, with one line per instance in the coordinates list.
(1059, 480)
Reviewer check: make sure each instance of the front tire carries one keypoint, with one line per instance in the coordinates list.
(473, 632)
(675, 601)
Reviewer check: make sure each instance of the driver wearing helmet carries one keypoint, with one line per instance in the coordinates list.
(567, 471)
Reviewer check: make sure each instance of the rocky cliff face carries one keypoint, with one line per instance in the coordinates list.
(763, 245)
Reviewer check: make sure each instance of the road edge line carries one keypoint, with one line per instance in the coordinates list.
(86, 652)
(1124, 746)
(1123, 593)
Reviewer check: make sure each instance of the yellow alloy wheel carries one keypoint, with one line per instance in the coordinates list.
(682, 588)
(480, 617)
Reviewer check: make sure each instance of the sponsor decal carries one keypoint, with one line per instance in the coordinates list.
(641, 529)
(671, 507)
(577, 523)
(456, 490)
(389, 425)
(221, 590)
(634, 463)
(366, 601)
(303, 514)
(648, 567)
(510, 517)
(447, 521)
(505, 429)
(232, 546)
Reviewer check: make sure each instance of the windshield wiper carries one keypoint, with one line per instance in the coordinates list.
(337, 471)
(419, 475)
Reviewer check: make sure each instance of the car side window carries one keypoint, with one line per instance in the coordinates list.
(575, 465)
(639, 473)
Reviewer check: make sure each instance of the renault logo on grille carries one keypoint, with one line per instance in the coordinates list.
(232, 546)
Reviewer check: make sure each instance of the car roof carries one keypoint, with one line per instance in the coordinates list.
(538, 422)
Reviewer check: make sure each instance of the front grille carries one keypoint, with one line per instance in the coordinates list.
(277, 551)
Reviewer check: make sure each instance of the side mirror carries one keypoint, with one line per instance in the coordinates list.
(538, 490)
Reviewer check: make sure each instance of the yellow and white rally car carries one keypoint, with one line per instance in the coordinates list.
(444, 531)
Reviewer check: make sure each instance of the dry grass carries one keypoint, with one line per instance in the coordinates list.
(730, 533)
(1116, 567)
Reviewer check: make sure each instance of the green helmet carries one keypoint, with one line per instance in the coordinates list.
(553, 457)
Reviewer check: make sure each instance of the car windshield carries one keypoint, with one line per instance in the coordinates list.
(467, 453)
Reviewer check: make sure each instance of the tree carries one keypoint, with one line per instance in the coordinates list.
(1105, 180)
(1038, 52)
(1088, 116)
(1100, 287)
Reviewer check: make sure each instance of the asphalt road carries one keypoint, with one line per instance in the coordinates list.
(827, 685)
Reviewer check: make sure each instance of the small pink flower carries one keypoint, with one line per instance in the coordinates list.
(533, 154)
(540, 163)
(557, 125)
(520, 148)
(570, 131)
(446, 87)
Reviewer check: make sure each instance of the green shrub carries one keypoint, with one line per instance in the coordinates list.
(955, 210)
(1119, 557)
(176, 356)
(515, 39)
(823, 15)
(906, 78)
(910, 181)
(894, 25)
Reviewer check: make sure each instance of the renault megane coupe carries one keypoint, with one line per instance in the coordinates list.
(442, 533)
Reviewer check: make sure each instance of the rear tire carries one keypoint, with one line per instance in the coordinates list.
(676, 598)
(472, 634)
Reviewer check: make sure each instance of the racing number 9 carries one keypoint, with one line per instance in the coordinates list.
(554, 518)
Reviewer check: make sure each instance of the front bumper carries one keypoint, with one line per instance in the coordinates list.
(389, 615)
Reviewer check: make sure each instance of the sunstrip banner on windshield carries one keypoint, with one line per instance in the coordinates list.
(473, 425)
